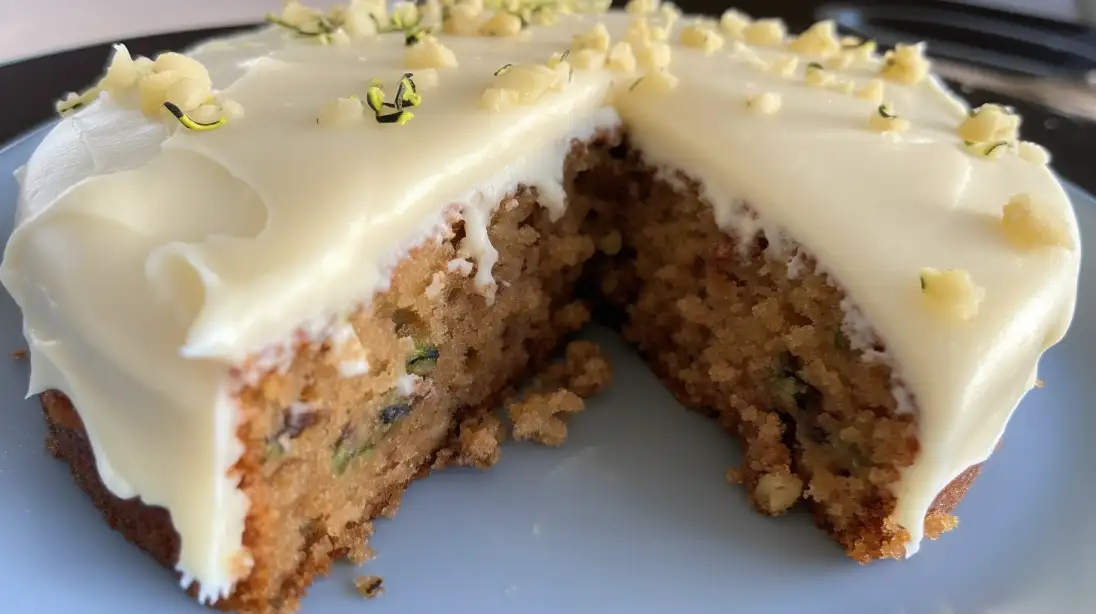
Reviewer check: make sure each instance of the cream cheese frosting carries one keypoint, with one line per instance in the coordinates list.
(146, 256)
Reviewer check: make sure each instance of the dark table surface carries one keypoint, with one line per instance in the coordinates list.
(31, 86)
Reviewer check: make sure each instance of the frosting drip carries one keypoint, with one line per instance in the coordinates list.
(147, 256)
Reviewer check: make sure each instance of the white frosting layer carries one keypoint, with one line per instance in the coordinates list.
(150, 260)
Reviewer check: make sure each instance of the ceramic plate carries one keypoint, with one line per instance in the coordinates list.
(632, 515)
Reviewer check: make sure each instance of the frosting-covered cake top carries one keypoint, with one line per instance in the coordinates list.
(178, 201)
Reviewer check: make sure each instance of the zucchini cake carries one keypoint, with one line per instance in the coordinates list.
(269, 282)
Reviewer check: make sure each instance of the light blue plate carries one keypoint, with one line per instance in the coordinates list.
(631, 515)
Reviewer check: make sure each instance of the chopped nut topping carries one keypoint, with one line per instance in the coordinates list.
(884, 119)
(1033, 152)
(621, 58)
(990, 122)
(701, 38)
(232, 109)
(1028, 225)
(588, 59)
(502, 24)
(864, 52)
(152, 90)
(342, 112)
(640, 7)
(638, 32)
(785, 67)
(733, 23)
(429, 53)
(820, 39)
(121, 73)
(358, 18)
(766, 103)
(872, 90)
(524, 84)
(187, 94)
(951, 292)
(463, 20)
(497, 99)
(906, 64)
(765, 32)
(656, 82)
(817, 76)
(840, 61)
(652, 56)
(73, 101)
(597, 38)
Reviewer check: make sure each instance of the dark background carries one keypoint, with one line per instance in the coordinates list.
(31, 87)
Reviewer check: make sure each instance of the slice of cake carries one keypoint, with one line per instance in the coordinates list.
(269, 282)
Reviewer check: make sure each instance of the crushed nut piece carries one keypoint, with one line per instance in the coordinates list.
(776, 492)
(785, 66)
(817, 76)
(502, 24)
(426, 79)
(765, 32)
(621, 58)
(464, 19)
(701, 38)
(187, 94)
(840, 61)
(884, 119)
(733, 23)
(655, 82)
(429, 53)
(652, 56)
(990, 122)
(906, 64)
(184, 67)
(952, 292)
(872, 91)
(588, 59)
(369, 586)
(766, 103)
(525, 84)
(232, 109)
(597, 38)
(121, 73)
(540, 417)
(820, 39)
(865, 52)
(641, 7)
(1033, 152)
(341, 112)
(1028, 225)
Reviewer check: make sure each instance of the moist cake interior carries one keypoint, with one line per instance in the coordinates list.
(731, 332)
